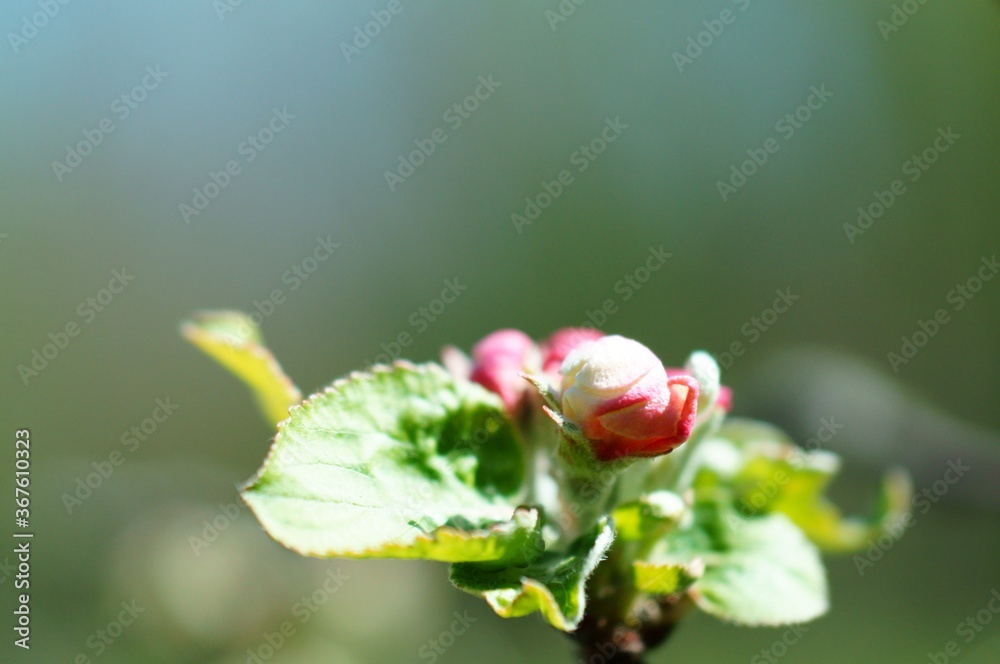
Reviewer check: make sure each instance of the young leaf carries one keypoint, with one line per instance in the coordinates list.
(553, 584)
(773, 475)
(234, 341)
(759, 571)
(666, 578)
(399, 462)
(770, 575)
(792, 482)
(649, 516)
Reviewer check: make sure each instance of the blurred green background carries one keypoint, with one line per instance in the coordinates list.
(229, 66)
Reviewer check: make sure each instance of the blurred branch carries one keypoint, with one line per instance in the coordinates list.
(884, 425)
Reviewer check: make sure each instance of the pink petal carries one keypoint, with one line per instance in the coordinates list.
(563, 342)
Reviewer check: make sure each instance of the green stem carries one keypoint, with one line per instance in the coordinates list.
(587, 484)
(585, 500)
(621, 624)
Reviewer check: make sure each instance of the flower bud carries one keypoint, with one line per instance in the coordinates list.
(560, 344)
(725, 399)
(711, 393)
(618, 393)
(705, 370)
(499, 359)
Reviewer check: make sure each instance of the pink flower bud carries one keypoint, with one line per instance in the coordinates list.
(723, 394)
(617, 391)
(497, 361)
(725, 399)
(560, 344)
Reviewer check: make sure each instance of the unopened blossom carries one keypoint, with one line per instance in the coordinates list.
(619, 394)
(560, 344)
(498, 361)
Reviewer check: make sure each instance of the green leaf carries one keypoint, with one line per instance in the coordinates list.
(399, 462)
(793, 484)
(759, 571)
(666, 578)
(553, 585)
(773, 475)
(649, 516)
(514, 542)
(771, 575)
(234, 341)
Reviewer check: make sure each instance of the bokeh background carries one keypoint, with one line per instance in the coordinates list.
(228, 68)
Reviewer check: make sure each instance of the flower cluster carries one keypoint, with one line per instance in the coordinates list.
(537, 470)
(614, 390)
